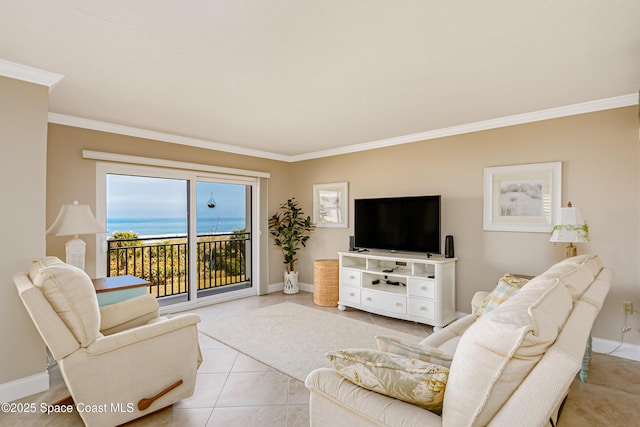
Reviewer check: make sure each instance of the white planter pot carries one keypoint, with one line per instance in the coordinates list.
(291, 282)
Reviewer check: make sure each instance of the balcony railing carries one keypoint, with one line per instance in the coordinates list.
(222, 262)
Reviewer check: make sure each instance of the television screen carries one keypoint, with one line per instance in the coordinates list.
(409, 224)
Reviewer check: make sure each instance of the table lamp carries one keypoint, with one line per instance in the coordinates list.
(571, 229)
(73, 220)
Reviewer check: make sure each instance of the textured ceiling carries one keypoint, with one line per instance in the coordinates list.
(292, 77)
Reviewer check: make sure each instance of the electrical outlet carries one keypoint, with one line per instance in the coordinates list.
(627, 307)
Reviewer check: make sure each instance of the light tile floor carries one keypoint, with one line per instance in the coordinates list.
(235, 390)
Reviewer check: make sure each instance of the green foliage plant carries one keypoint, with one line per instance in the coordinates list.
(582, 230)
(128, 236)
(290, 230)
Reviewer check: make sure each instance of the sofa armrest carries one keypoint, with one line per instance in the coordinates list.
(128, 314)
(132, 336)
(418, 351)
(547, 384)
(337, 402)
(447, 339)
(477, 301)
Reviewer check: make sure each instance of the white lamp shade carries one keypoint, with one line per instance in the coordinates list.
(75, 219)
(570, 221)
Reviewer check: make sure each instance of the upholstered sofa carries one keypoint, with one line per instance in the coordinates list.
(120, 361)
(511, 366)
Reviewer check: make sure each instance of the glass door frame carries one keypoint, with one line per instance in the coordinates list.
(251, 211)
(192, 176)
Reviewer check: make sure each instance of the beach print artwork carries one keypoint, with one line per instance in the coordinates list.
(521, 198)
(330, 206)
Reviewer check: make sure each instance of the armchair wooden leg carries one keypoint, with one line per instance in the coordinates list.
(146, 402)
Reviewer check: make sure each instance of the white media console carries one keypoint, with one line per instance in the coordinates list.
(405, 286)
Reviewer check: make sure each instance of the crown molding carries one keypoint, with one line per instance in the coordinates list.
(173, 164)
(82, 123)
(25, 73)
(551, 113)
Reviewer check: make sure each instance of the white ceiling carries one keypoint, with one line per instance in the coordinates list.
(291, 79)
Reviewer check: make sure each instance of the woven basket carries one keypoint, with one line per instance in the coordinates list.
(325, 282)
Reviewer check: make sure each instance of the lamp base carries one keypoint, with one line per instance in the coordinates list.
(571, 250)
(75, 250)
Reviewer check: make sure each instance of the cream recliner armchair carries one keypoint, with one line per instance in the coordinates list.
(120, 361)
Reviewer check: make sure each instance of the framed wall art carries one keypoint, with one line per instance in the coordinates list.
(330, 205)
(522, 197)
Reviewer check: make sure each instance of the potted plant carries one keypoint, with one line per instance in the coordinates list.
(290, 230)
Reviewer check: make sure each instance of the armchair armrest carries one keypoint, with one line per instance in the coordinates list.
(128, 314)
(135, 335)
(149, 367)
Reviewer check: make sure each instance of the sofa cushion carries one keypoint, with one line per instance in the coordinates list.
(599, 289)
(411, 380)
(70, 293)
(499, 350)
(577, 273)
(507, 286)
(422, 352)
(40, 263)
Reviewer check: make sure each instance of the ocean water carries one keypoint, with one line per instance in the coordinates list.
(145, 227)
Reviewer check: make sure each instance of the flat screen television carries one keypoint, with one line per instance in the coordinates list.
(410, 224)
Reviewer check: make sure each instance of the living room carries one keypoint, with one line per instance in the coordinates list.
(596, 141)
(604, 141)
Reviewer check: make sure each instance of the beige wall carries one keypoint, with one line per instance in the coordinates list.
(23, 135)
(600, 158)
(70, 177)
(599, 152)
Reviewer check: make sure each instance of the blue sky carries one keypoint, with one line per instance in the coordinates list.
(143, 197)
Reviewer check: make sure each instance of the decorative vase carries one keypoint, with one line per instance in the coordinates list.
(291, 282)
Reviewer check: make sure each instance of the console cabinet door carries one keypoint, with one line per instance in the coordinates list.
(350, 277)
(424, 288)
(423, 308)
(384, 301)
(349, 294)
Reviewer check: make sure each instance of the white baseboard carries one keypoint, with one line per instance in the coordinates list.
(625, 351)
(277, 287)
(23, 387)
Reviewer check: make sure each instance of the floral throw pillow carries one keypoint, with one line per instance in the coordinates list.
(417, 351)
(414, 381)
(507, 287)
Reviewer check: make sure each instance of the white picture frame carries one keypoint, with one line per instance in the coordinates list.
(331, 205)
(522, 197)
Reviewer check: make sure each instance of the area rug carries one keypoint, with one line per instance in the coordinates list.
(292, 338)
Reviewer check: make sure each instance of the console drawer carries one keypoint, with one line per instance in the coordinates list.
(350, 277)
(349, 294)
(384, 301)
(423, 308)
(425, 288)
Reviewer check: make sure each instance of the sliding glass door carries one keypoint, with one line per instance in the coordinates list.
(189, 235)
(147, 220)
(224, 236)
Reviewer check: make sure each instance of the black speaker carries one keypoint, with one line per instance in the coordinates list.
(352, 243)
(448, 247)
